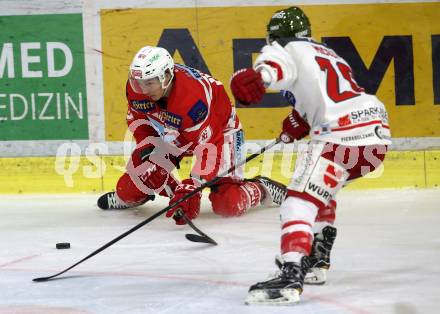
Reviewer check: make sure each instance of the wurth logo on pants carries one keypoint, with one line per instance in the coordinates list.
(326, 180)
(318, 190)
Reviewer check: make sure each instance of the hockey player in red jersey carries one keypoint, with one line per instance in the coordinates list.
(349, 137)
(176, 111)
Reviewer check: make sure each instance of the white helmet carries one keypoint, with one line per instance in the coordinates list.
(151, 62)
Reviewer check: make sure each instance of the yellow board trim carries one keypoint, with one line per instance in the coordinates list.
(402, 169)
(214, 29)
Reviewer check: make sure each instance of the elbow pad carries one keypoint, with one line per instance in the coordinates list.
(276, 66)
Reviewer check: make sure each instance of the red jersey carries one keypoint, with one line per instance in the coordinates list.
(197, 111)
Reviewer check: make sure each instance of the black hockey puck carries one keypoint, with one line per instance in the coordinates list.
(63, 245)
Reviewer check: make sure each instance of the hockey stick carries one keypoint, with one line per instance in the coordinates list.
(161, 212)
(201, 236)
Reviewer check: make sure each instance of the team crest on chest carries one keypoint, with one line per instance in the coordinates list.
(205, 135)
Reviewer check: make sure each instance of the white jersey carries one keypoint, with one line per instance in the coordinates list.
(327, 97)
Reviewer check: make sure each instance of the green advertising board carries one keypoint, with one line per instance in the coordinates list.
(42, 78)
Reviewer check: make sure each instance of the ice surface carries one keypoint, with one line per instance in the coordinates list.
(385, 259)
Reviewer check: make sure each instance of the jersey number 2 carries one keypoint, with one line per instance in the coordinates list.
(333, 76)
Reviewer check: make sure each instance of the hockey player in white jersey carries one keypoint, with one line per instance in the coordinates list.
(349, 136)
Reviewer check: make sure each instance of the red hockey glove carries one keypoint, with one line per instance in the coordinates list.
(152, 173)
(247, 86)
(294, 128)
(190, 207)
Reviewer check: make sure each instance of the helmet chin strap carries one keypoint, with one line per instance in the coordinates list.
(166, 87)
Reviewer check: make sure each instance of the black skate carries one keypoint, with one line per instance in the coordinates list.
(284, 288)
(276, 191)
(320, 256)
(111, 201)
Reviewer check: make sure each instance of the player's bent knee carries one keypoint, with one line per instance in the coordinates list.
(127, 191)
(226, 200)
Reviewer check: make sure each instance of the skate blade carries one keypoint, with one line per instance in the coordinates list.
(261, 297)
(317, 276)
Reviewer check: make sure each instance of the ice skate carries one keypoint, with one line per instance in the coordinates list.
(275, 191)
(111, 201)
(284, 289)
(320, 256)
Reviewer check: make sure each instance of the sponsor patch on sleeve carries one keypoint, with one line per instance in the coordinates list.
(198, 112)
(171, 119)
(142, 105)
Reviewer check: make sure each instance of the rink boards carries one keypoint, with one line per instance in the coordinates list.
(64, 81)
(402, 169)
(66, 85)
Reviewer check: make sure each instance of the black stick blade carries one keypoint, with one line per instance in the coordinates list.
(201, 239)
(41, 279)
(47, 278)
